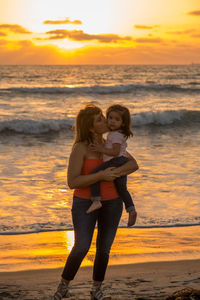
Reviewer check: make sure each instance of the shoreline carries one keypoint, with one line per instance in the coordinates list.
(47, 250)
(147, 281)
(121, 227)
(127, 266)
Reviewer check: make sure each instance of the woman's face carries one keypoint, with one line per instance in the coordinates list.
(100, 124)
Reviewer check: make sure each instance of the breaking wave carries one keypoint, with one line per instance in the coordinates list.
(49, 227)
(102, 89)
(151, 118)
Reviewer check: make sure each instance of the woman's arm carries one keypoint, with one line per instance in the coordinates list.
(129, 167)
(74, 177)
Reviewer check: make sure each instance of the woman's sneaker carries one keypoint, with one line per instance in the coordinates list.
(62, 291)
(97, 294)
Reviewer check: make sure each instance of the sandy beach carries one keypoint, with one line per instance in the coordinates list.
(140, 281)
(144, 264)
(49, 250)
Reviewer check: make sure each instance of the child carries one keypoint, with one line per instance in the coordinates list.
(115, 155)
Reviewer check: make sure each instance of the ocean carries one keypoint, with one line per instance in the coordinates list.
(38, 105)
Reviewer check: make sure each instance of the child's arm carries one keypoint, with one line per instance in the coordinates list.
(114, 151)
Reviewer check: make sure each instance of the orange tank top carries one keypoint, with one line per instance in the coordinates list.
(108, 189)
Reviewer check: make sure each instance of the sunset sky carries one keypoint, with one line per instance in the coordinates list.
(99, 32)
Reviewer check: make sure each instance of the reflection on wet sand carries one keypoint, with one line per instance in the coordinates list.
(50, 249)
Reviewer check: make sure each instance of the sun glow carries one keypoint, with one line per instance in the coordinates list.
(99, 32)
(94, 15)
(69, 240)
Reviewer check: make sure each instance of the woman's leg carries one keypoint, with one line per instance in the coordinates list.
(107, 227)
(84, 225)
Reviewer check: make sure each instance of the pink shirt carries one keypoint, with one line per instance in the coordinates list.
(115, 137)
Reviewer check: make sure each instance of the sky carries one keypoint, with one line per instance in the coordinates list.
(99, 32)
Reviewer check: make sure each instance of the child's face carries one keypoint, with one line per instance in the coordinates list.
(114, 121)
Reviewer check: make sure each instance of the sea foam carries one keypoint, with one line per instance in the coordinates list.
(151, 118)
(102, 89)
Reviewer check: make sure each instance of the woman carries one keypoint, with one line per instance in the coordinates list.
(90, 127)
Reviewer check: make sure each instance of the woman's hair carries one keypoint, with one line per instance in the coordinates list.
(84, 123)
(126, 118)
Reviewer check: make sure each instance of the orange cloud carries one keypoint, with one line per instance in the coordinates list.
(146, 27)
(197, 35)
(3, 34)
(79, 35)
(14, 28)
(3, 42)
(188, 31)
(148, 40)
(65, 21)
(26, 52)
(194, 13)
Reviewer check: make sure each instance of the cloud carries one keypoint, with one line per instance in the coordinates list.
(148, 40)
(14, 28)
(60, 22)
(16, 44)
(79, 35)
(146, 27)
(3, 34)
(188, 31)
(191, 32)
(197, 35)
(3, 42)
(26, 52)
(194, 13)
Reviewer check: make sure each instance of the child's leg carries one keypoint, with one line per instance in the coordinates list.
(96, 204)
(127, 199)
(95, 188)
(120, 183)
(114, 162)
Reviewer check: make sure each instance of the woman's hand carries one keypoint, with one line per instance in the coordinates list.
(129, 167)
(109, 174)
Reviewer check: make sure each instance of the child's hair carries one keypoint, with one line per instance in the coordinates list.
(126, 118)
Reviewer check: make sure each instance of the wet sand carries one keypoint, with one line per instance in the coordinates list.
(145, 264)
(147, 281)
(49, 250)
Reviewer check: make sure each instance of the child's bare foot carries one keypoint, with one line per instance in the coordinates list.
(95, 205)
(132, 218)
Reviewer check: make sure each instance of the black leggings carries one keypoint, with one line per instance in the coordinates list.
(107, 218)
